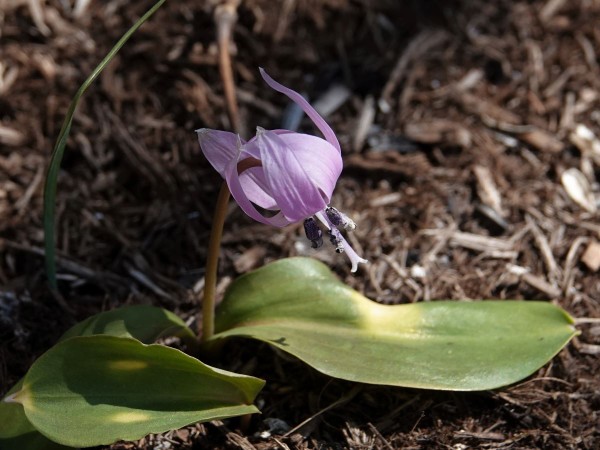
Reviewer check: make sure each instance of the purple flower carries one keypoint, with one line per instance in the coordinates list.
(289, 174)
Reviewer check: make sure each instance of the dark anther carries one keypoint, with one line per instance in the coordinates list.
(339, 219)
(335, 216)
(313, 232)
(332, 237)
(336, 239)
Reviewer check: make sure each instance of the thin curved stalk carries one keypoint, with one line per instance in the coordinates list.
(225, 19)
(59, 150)
(212, 264)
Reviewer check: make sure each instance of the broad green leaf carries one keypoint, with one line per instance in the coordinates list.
(59, 148)
(145, 323)
(142, 322)
(95, 390)
(16, 432)
(298, 306)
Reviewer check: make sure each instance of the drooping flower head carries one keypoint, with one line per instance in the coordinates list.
(289, 174)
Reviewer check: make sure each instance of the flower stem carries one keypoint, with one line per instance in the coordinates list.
(212, 264)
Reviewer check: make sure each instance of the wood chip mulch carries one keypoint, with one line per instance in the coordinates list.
(471, 139)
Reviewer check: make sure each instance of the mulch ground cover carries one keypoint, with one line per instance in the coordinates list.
(470, 139)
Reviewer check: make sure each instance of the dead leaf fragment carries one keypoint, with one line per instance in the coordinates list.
(439, 131)
(579, 189)
(250, 259)
(591, 256)
(487, 190)
(10, 136)
(587, 142)
(542, 141)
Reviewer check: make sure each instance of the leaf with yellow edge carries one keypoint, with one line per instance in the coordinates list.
(299, 306)
(95, 390)
(16, 432)
(142, 322)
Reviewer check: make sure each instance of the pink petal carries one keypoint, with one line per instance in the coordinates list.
(319, 159)
(237, 191)
(256, 188)
(219, 147)
(302, 103)
(291, 187)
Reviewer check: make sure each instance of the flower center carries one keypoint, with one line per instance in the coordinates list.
(336, 220)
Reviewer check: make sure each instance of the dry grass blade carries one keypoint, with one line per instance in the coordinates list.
(345, 399)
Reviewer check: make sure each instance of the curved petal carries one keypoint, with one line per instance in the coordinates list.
(291, 187)
(257, 189)
(237, 191)
(253, 181)
(251, 147)
(219, 147)
(302, 103)
(319, 159)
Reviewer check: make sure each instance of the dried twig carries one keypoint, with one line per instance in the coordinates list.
(570, 262)
(420, 45)
(345, 399)
(364, 123)
(22, 203)
(486, 188)
(544, 247)
(550, 9)
(236, 439)
(380, 436)
(225, 18)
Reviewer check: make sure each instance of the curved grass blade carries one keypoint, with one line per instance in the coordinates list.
(61, 142)
(298, 306)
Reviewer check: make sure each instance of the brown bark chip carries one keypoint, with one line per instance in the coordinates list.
(591, 256)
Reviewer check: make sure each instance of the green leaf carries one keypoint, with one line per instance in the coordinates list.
(61, 142)
(142, 322)
(16, 432)
(95, 390)
(298, 306)
(145, 323)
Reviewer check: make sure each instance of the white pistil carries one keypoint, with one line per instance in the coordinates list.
(355, 260)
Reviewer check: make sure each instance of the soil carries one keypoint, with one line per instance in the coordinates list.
(469, 133)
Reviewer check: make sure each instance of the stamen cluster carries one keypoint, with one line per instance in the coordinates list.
(336, 219)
